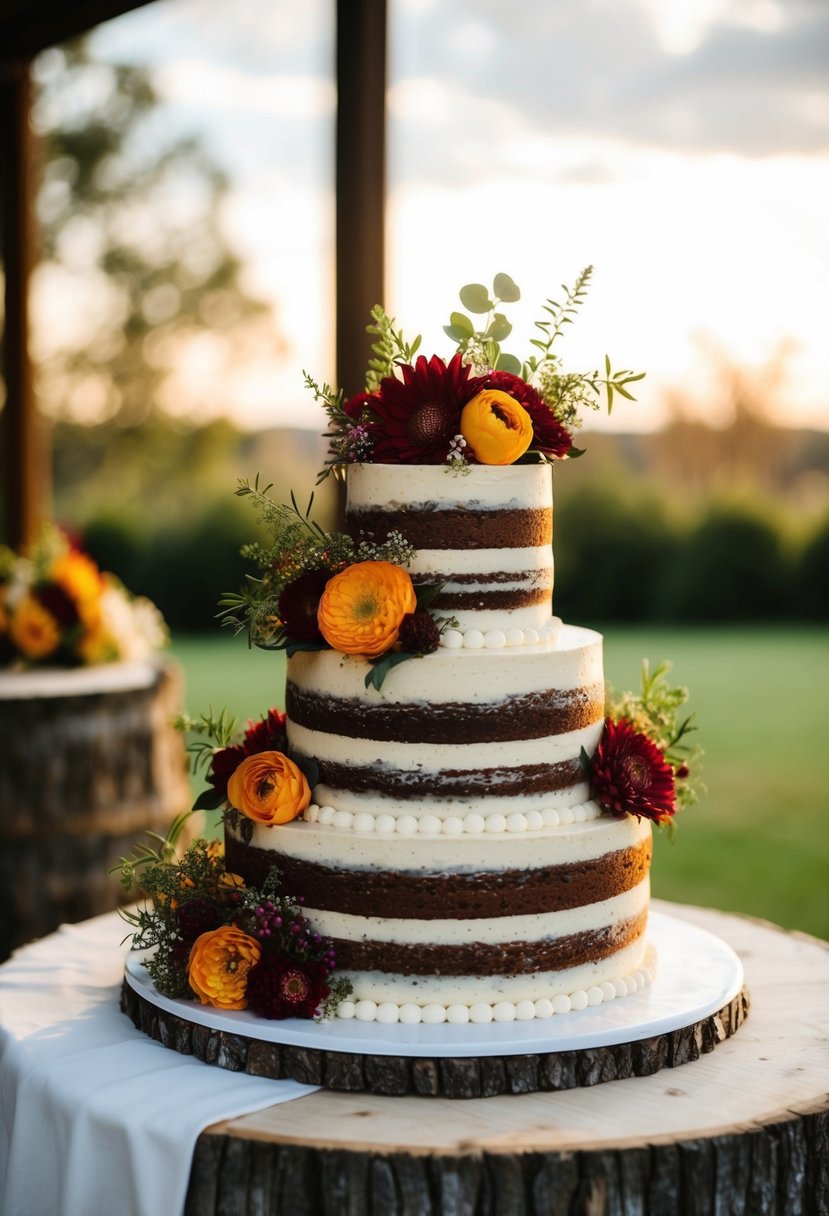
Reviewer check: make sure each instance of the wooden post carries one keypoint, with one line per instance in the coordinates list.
(360, 180)
(23, 449)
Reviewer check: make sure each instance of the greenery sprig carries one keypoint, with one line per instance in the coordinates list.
(299, 546)
(654, 711)
(390, 348)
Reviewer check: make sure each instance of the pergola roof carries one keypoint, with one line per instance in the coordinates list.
(30, 26)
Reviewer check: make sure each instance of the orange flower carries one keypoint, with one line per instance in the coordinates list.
(33, 630)
(362, 608)
(219, 964)
(496, 426)
(269, 788)
(79, 577)
(229, 883)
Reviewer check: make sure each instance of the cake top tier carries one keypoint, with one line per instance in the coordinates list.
(484, 537)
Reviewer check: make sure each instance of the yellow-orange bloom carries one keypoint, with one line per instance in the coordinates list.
(79, 577)
(230, 883)
(34, 631)
(219, 964)
(496, 427)
(362, 608)
(268, 788)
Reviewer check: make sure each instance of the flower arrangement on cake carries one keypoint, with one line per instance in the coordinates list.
(57, 609)
(483, 406)
(212, 936)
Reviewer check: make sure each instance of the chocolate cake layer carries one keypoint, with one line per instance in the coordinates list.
(529, 716)
(456, 896)
(450, 783)
(517, 598)
(458, 527)
(485, 958)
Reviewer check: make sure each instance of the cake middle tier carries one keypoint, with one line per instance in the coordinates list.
(451, 734)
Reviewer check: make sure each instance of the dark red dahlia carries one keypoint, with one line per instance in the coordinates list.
(631, 775)
(298, 604)
(549, 436)
(419, 634)
(58, 603)
(282, 987)
(267, 735)
(223, 764)
(414, 419)
(196, 916)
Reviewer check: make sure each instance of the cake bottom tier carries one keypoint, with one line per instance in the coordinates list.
(487, 927)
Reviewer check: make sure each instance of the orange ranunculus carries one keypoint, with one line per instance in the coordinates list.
(79, 577)
(219, 964)
(230, 884)
(362, 607)
(34, 631)
(269, 788)
(496, 427)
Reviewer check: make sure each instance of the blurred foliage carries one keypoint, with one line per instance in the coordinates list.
(133, 253)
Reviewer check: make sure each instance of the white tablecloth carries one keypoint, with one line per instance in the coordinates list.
(95, 1118)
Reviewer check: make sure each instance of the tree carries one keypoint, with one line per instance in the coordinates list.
(136, 278)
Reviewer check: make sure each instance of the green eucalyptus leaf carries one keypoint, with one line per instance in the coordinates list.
(381, 667)
(456, 334)
(475, 297)
(574, 453)
(427, 595)
(459, 320)
(208, 800)
(505, 289)
(508, 363)
(499, 328)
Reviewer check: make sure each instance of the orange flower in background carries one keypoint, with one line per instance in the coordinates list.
(269, 788)
(219, 964)
(496, 427)
(78, 575)
(362, 608)
(34, 631)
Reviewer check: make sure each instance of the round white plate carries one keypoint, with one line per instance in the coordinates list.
(697, 975)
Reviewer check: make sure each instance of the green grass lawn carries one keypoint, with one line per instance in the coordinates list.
(758, 841)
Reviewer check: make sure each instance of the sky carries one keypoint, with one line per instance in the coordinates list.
(679, 146)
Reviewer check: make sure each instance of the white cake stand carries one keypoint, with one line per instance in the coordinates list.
(696, 1001)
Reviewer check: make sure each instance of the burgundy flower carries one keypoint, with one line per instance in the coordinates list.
(196, 916)
(267, 735)
(549, 436)
(631, 775)
(419, 634)
(282, 987)
(59, 603)
(414, 419)
(223, 764)
(298, 603)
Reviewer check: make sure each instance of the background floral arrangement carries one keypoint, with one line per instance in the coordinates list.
(484, 406)
(58, 609)
(318, 590)
(643, 765)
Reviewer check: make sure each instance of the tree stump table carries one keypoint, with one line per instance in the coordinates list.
(744, 1130)
(90, 761)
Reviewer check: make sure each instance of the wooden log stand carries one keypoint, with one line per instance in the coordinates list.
(743, 1130)
(88, 765)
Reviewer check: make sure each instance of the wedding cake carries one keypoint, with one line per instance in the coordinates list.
(453, 854)
(450, 814)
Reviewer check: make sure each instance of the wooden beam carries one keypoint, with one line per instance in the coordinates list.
(360, 181)
(23, 449)
(29, 26)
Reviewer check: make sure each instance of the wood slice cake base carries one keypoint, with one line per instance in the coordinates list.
(698, 1001)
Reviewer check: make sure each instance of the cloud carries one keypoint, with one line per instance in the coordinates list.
(607, 69)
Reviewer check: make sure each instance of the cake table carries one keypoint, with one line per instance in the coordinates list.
(744, 1129)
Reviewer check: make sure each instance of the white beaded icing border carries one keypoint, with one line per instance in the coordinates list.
(480, 1013)
(472, 824)
(499, 639)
